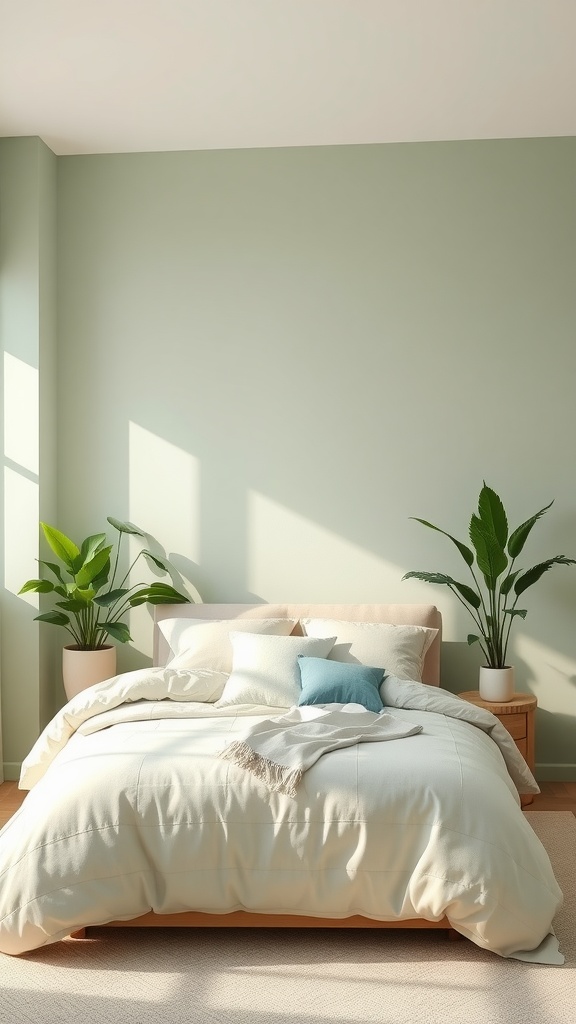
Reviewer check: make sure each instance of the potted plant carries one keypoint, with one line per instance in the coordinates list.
(92, 603)
(497, 585)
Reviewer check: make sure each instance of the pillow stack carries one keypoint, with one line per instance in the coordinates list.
(260, 662)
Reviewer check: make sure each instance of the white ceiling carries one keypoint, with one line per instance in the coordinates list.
(102, 76)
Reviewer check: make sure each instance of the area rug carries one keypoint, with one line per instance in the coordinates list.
(219, 976)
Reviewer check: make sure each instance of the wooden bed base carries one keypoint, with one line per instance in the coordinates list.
(245, 919)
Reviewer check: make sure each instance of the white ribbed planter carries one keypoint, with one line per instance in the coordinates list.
(496, 684)
(81, 669)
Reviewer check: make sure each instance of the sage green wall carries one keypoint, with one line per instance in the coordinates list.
(28, 346)
(271, 359)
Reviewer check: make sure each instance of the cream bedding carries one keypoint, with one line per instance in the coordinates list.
(130, 810)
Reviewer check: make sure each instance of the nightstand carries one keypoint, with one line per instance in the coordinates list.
(518, 716)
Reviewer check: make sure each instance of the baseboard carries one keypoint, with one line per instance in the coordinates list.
(11, 770)
(555, 772)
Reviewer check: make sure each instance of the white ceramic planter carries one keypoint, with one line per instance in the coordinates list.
(81, 669)
(496, 684)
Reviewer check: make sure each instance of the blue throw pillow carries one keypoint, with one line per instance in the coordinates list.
(339, 682)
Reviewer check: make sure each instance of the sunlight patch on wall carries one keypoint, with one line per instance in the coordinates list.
(163, 500)
(21, 514)
(21, 413)
(292, 558)
(554, 674)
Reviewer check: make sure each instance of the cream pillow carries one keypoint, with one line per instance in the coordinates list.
(196, 643)
(399, 650)
(265, 668)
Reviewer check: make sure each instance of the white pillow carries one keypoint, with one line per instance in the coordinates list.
(196, 643)
(265, 668)
(399, 650)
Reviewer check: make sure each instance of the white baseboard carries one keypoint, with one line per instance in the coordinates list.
(555, 772)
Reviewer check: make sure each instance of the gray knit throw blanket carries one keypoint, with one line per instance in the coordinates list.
(279, 750)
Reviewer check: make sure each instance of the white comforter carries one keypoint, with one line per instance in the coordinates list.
(130, 811)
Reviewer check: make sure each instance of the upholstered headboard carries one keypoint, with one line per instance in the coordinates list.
(396, 614)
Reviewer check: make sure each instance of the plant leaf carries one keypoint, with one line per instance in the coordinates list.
(519, 537)
(467, 593)
(490, 555)
(119, 630)
(428, 577)
(91, 545)
(105, 600)
(85, 595)
(56, 618)
(39, 586)
(125, 527)
(53, 568)
(492, 515)
(532, 575)
(506, 585)
(64, 548)
(95, 567)
(158, 593)
(72, 605)
(472, 639)
(157, 561)
(466, 553)
(522, 612)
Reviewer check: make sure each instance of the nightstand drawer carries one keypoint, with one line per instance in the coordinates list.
(515, 724)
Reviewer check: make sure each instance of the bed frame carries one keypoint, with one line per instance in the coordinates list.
(395, 614)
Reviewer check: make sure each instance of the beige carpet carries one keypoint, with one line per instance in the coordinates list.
(280, 977)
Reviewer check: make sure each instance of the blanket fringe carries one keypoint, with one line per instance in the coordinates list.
(277, 777)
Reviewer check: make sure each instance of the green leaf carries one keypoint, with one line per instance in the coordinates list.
(64, 548)
(522, 612)
(440, 578)
(468, 594)
(532, 575)
(56, 618)
(91, 545)
(156, 560)
(39, 586)
(125, 527)
(53, 568)
(101, 580)
(519, 537)
(492, 515)
(72, 605)
(92, 569)
(119, 630)
(428, 577)
(466, 553)
(490, 555)
(158, 593)
(506, 585)
(85, 595)
(105, 600)
(472, 639)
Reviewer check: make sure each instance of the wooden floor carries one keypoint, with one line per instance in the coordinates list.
(555, 796)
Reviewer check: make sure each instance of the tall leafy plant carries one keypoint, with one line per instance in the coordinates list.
(497, 585)
(92, 602)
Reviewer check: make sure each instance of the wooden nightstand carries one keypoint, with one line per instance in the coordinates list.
(518, 716)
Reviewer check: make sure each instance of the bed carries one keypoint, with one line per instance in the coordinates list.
(138, 815)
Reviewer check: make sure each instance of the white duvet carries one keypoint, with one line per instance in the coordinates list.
(130, 810)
